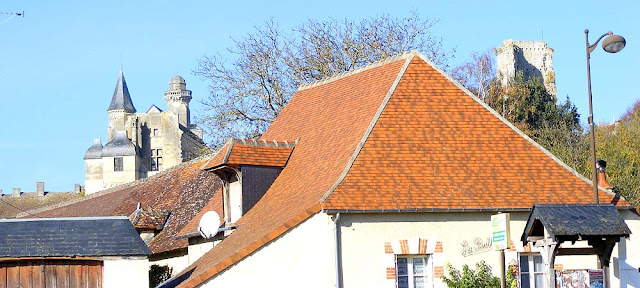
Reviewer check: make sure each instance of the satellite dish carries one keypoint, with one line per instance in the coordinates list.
(209, 224)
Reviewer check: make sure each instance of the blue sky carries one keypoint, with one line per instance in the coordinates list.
(59, 63)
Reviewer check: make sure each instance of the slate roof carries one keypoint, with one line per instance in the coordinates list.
(397, 135)
(120, 145)
(567, 221)
(182, 190)
(121, 100)
(250, 152)
(95, 151)
(58, 237)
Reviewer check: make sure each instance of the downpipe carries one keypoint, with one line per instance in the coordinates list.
(336, 234)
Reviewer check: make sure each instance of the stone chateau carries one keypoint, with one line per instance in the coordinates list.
(140, 145)
(533, 58)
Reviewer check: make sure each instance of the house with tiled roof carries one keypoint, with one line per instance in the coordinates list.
(395, 171)
(158, 207)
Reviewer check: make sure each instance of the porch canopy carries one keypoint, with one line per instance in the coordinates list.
(550, 225)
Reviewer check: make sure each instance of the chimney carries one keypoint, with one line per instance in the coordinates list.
(16, 192)
(602, 177)
(77, 188)
(40, 188)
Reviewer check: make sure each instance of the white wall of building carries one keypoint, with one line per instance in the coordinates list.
(126, 273)
(302, 257)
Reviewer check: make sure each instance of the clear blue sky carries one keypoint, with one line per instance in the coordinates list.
(59, 64)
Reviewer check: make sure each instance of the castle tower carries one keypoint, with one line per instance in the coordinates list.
(121, 110)
(120, 161)
(93, 167)
(178, 98)
(533, 58)
(141, 145)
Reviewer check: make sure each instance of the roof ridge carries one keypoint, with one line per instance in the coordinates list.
(112, 189)
(266, 143)
(372, 65)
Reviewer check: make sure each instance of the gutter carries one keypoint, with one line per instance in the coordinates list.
(336, 234)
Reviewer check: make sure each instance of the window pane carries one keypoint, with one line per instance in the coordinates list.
(524, 281)
(402, 267)
(419, 282)
(403, 281)
(524, 263)
(418, 266)
(539, 280)
(537, 263)
(159, 152)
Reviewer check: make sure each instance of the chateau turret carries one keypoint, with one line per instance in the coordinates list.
(140, 145)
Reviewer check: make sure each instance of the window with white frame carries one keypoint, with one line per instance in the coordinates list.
(414, 271)
(531, 271)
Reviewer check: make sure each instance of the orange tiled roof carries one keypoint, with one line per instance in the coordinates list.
(182, 191)
(250, 152)
(149, 219)
(398, 134)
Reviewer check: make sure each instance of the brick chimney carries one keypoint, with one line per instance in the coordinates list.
(40, 188)
(602, 177)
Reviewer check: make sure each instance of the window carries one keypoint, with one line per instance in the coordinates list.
(156, 159)
(531, 271)
(413, 271)
(155, 132)
(117, 164)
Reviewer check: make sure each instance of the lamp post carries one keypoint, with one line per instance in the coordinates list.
(612, 44)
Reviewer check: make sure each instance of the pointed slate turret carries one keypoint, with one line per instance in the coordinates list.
(121, 99)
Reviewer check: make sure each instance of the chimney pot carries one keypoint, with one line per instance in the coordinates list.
(40, 188)
(602, 176)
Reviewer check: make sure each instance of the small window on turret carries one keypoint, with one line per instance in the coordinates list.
(155, 132)
(117, 164)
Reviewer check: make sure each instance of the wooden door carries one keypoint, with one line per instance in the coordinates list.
(51, 274)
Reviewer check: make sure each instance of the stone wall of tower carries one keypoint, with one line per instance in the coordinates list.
(128, 174)
(93, 175)
(532, 58)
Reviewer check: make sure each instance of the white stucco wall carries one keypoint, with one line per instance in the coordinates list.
(197, 250)
(132, 273)
(363, 238)
(302, 257)
(177, 263)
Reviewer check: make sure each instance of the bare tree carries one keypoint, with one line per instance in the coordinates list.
(477, 74)
(265, 68)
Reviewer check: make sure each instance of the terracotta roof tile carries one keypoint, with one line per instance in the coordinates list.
(395, 135)
(183, 191)
(247, 152)
(149, 219)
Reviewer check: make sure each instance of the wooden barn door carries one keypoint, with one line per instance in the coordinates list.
(51, 274)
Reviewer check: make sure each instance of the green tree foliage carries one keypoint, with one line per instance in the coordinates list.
(619, 145)
(481, 277)
(527, 105)
(249, 87)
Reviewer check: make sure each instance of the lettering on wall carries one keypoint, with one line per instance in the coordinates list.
(478, 246)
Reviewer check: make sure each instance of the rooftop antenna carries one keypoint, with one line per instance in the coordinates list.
(13, 14)
(542, 29)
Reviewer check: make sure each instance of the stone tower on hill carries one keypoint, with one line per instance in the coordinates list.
(533, 58)
(140, 145)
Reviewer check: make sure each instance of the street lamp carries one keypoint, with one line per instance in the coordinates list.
(612, 44)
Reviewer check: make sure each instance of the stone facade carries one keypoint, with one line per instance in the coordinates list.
(532, 58)
(140, 145)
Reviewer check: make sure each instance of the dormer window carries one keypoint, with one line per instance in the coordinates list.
(247, 168)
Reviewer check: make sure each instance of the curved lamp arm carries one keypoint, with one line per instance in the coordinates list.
(593, 46)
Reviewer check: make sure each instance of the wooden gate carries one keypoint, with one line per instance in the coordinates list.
(50, 274)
